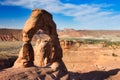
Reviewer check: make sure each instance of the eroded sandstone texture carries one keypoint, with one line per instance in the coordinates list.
(42, 52)
(47, 53)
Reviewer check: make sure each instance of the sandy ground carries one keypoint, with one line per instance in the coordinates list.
(94, 62)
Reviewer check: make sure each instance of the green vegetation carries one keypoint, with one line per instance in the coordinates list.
(105, 42)
(111, 43)
(10, 49)
(91, 41)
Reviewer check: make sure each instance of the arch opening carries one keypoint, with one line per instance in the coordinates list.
(41, 20)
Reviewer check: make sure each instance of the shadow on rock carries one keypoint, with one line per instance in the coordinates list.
(7, 63)
(93, 75)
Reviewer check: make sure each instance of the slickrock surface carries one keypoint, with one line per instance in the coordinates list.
(30, 73)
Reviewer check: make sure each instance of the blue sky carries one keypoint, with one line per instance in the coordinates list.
(77, 14)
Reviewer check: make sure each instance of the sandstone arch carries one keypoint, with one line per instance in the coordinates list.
(40, 19)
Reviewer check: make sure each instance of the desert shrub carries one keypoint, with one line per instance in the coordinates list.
(105, 42)
(112, 44)
(114, 55)
(106, 54)
(93, 41)
(90, 41)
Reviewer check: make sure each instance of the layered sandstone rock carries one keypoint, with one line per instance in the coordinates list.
(10, 35)
(25, 57)
(47, 53)
(42, 51)
(66, 44)
(30, 73)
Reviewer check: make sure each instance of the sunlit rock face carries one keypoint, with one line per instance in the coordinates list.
(47, 52)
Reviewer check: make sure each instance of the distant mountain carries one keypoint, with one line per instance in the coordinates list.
(89, 33)
(16, 34)
(10, 34)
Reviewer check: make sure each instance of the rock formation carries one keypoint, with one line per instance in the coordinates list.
(66, 44)
(10, 35)
(26, 56)
(42, 51)
(30, 73)
(47, 53)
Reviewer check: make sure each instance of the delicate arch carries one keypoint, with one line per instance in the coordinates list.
(41, 19)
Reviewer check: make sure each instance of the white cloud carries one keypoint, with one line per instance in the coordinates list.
(97, 15)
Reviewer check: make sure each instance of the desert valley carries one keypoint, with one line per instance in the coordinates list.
(41, 51)
(87, 54)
